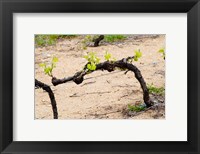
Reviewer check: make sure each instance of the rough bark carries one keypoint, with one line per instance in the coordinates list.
(47, 88)
(110, 66)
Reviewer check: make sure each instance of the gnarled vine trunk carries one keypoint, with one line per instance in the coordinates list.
(110, 66)
(47, 88)
(96, 41)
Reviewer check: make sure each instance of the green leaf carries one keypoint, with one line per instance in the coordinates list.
(136, 108)
(138, 53)
(47, 70)
(89, 66)
(53, 65)
(107, 56)
(161, 50)
(42, 64)
(55, 60)
(92, 58)
(97, 61)
(135, 58)
(93, 66)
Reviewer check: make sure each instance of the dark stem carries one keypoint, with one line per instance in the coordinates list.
(110, 66)
(47, 88)
(139, 77)
(96, 41)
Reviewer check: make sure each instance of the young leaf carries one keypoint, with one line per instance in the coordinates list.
(138, 53)
(162, 51)
(89, 66)
(55, 60)
(135, 58)
(91, 57)
(42, 64)
(47, 70)
(93, 66)
(97, 60)
(107, 56)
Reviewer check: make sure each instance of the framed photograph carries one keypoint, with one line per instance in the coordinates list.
(99, 76)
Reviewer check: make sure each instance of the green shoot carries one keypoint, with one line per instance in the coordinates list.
(93, 60)
(162, 51)
(136, 108)
(107, 56)
(155, 90)
(48, 69)
(137, 55)
(91, 66)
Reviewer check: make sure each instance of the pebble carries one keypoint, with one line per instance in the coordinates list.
(154, 64)
(48, 55)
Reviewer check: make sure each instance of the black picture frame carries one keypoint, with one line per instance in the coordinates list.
(8, 7)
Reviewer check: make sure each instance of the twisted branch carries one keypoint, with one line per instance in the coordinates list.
(47, 88)
(109, 66)
(96, 41)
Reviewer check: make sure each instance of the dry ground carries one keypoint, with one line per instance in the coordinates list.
(103, 94)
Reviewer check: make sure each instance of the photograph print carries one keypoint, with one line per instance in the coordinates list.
(93, 76)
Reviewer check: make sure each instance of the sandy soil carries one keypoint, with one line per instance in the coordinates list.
(102, 95)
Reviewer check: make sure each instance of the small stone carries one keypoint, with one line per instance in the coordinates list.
(154, 64)
(48, 55)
